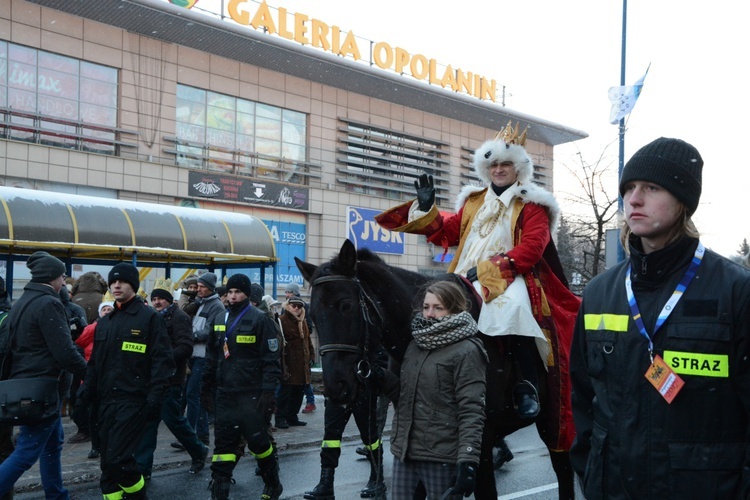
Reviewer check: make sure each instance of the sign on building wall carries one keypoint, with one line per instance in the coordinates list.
(228, 188)
(290, 239)
(364, 232)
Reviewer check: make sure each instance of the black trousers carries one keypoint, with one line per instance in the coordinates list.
(121, 425)
(289, 401)
(237, 414)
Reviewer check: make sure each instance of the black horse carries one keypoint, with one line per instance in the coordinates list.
(359, 303)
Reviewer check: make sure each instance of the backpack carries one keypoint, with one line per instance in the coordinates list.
(6, 355)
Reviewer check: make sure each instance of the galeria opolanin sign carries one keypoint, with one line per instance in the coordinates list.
(316, 33)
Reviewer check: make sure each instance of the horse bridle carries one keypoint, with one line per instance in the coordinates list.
(366, 304)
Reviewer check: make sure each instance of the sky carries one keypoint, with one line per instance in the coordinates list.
(557, 60)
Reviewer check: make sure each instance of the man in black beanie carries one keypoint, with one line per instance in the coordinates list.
(242, 369)
(41, 347)
(661, 350)
(128, 375)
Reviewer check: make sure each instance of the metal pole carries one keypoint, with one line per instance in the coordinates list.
(621, 162)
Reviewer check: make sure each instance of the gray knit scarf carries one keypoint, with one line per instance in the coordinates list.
(430, 333)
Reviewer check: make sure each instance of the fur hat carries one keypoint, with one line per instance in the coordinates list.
(506, 146)
(292, 288)
(270, 301)
(44, 267)
(673, 164)
(127, 273)
(208, 280)
(163, 289)
(239, 282)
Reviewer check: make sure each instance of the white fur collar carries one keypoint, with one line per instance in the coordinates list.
(527, 192)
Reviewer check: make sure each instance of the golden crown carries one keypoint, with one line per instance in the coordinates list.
(164, 284)
(509, 134)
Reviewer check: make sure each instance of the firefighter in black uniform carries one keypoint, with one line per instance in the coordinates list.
(128, 375)
(243, 367)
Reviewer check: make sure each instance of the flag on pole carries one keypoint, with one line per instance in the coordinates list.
(623, 98)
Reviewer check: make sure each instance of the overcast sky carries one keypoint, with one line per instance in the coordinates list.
(559, 58)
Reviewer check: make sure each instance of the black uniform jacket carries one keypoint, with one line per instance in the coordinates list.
(630, 442)
(251, 361)
(132, 357)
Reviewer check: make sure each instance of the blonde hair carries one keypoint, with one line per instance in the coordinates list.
(684, 227)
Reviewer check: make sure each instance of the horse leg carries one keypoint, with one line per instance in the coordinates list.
(564, 472)
(486, 488)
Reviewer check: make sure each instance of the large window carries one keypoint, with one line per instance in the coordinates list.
(237, 135)
(57, 100)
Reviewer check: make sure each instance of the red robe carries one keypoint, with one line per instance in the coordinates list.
(534, 259)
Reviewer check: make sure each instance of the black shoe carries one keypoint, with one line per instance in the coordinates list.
(526, 400)
(94, 454)
(281, 423)
(297, 423)
(362, 451)
(177, 445)
(198, 464)
(503, 456)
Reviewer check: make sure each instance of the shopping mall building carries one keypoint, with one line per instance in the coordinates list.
(250, 109)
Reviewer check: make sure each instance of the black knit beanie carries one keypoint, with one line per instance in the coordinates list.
(673, 164)
(127, 273)
(239, 282)
(256, 293)
(44, 267)
(162, 294)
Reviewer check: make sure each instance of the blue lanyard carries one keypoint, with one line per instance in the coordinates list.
(671, 303)
(236, 320)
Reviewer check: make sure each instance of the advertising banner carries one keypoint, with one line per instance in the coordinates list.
(228, 188)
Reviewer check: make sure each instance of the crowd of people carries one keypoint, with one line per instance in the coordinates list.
(647, 375)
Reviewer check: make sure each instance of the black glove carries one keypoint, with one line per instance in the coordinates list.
(466, 479)
(83, 395)
(152, 412)
(207, 397)
(267, 404)
(471, 274)
(425, 187)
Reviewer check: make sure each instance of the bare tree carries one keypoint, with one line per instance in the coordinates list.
(593, 207)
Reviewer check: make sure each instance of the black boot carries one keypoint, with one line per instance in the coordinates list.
(503, 454)
(219, 487)
(324, 489)
(375, 485)
(269, 471)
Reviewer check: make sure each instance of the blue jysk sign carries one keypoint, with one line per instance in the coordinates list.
(364, 232)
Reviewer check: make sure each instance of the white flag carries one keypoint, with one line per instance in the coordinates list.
(623, 98)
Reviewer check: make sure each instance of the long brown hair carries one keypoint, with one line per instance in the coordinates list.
(448, 293)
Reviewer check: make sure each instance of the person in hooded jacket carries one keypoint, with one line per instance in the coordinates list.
(660, 361)
(88, 292)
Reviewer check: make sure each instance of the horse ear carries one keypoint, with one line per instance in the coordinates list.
(347, 261)
(306, 269)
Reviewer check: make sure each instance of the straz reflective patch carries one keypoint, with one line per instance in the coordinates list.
(245, 339)
(695, 363)
(612, 322)
(134, 347)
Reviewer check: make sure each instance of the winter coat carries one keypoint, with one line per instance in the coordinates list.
(298, 351)
(76, 314)
(180, 331)
(42, 346)
(88, 292)
(203, 322)
(440, 412)
(253, 346)
(132, 358)
(630, 442)
(86, 340)
(535, 260)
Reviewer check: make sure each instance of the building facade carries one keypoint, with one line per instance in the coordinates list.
(143, 100)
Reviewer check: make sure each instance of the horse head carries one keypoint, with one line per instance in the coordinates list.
(345, 305)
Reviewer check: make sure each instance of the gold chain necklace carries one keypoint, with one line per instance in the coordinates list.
(488, 226)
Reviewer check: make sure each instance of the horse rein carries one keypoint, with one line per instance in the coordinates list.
(364, 370)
